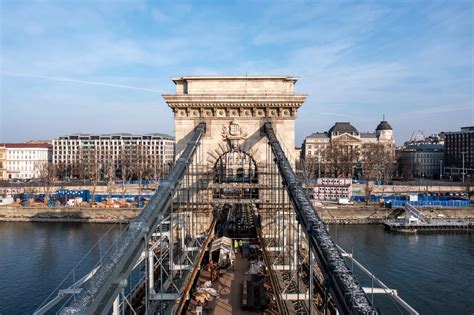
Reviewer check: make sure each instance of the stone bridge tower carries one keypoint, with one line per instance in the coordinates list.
(234, 109)
(240, 104)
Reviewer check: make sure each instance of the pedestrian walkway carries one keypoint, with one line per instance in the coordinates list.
(229, 287)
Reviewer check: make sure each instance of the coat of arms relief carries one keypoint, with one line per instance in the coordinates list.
(233, 134)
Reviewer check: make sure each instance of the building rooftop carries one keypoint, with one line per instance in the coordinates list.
(368, 135)
(208, 86)
(121, 134)
(26, 145)
(384, 125)
(343, 127)
(318, 135)
(235, 77)
(424, 147)
(467, 129)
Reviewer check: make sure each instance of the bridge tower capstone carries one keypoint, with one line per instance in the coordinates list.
(234, 109)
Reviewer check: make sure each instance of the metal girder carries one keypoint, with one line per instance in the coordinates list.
(346, 290)
(99, 292)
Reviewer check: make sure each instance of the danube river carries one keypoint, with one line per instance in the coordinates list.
(434, 273)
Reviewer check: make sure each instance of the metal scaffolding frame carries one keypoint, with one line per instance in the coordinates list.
(105, 286)
(342, 285)
(152, 265)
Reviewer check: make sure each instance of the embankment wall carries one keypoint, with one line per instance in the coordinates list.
(334, 214)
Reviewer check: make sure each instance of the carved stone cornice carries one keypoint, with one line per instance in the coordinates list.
(234, 112)
(234, 100)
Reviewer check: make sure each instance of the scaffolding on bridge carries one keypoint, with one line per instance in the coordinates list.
(152, 266)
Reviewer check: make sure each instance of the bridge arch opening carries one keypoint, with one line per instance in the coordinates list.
(235, 167)
(235, 176)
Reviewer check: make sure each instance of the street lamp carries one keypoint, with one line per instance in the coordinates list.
(440, 169)
(463, 165)
(319, 164)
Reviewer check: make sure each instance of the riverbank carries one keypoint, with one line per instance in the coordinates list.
(75, 214)
(354, 214)
(361, 214)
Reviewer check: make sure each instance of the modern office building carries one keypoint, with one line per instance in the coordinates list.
(459, 152)
(421, 160)
(154, 151)
(25, 160)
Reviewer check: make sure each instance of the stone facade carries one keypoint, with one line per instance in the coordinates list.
(84, 149)
(234, 109)
(422, 160)
(343, 133)
(25, 160)
(3, 162)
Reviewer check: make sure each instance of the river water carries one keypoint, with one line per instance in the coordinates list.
(434, 273)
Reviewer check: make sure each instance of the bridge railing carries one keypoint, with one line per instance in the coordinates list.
(415, 212)
(109, 277)
(344, 288)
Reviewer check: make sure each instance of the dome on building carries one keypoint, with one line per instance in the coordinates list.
(342, 127)
(383, 125)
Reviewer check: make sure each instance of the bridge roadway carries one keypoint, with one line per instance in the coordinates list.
(98, 292)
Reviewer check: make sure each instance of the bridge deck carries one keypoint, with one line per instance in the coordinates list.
(229, 287)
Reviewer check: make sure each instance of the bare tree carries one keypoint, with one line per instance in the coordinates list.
(125, 170)
(406, 165)
(377, 163)
(47, 173)
(92, 166)
(109, 169)
(157, 167)
(339, 160)
(79, 165)
(308, 167)
(61, 170)
(140, 165)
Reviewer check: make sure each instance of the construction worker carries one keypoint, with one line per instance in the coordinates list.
(236, 246)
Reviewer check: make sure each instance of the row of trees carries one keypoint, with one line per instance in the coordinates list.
(97, 166)
(371, 161)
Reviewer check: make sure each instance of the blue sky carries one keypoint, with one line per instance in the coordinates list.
(100, 66)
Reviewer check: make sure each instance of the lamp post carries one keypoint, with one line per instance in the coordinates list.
(440, 169)
(319, 164)
(463, 165)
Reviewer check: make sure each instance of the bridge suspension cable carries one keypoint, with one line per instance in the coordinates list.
(97, 294)
(346, 290)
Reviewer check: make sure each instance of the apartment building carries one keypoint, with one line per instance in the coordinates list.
(154, 150)
(24, 160)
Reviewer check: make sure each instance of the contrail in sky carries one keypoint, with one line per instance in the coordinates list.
(60, 79)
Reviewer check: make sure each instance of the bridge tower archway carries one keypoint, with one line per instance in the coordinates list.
(235, 167)
(234, 109)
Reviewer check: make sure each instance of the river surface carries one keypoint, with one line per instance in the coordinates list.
(36, 257)
(433, 273)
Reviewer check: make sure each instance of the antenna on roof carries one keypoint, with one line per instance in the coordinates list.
(383, 116)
